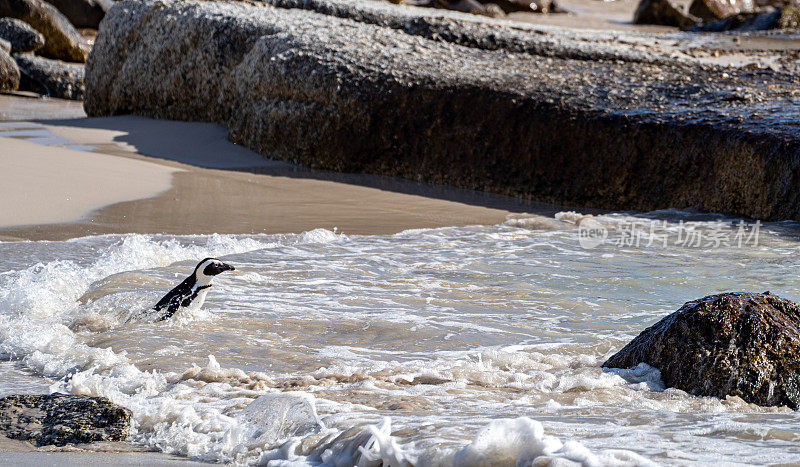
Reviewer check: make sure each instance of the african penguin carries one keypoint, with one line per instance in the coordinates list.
(192, 291)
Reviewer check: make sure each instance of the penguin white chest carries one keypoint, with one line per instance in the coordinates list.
(198, 300)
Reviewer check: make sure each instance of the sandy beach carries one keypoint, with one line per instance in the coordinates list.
(137, 175)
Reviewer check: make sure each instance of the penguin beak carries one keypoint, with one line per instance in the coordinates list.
(227, 267)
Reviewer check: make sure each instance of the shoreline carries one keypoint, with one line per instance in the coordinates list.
(70, 182)
(242, 193)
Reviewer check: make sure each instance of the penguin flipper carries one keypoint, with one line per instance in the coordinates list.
(170, 302)
(170, 310)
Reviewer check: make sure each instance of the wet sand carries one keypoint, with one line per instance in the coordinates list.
(216, 186)
(19, 453)
(29, 106)
(45, 184)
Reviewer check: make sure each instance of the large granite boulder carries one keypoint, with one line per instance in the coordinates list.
(60, 419)
(557, 115)
(81, 13)
(52, 78)
(738, 344)
(21, 35)
(9, 73)
(62, 41)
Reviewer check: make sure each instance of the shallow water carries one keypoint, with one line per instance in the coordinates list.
(430, 347)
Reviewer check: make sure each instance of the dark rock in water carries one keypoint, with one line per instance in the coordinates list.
(787, 17)
(81, 13)
(51, 77)
(738, 344)
(21, 35)
(61, 419)
(9, 73)
(663, 12)
(62, 40)
(711, 10)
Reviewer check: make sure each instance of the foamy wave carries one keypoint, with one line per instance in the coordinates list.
(35, 304)
(521, 441)
(322, 236)
(408, 325)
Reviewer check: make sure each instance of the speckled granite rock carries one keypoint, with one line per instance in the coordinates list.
(9, 73)
(559, 116)
(53, 78)
(62, 41)
(5, 46)
(738, 344)
(61, 419)
(21, 35)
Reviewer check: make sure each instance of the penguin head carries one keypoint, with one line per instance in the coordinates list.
(210, 267)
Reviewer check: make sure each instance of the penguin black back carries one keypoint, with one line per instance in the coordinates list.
(192, 291)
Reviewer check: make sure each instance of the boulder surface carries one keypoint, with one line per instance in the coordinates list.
(556, 115)
(737, 344)
(62, 40)
(61, 419)
(9, 73)
(52, 78)
(21, 35)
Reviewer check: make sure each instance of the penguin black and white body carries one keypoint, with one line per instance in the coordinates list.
(191, 293)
